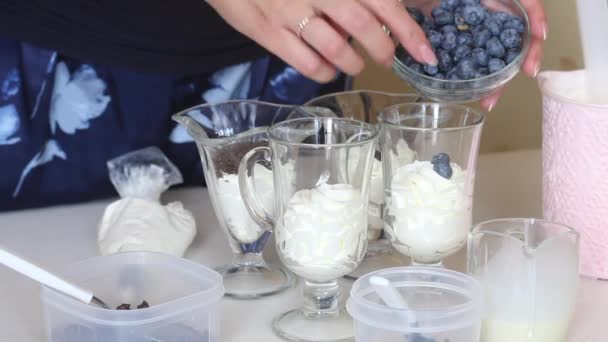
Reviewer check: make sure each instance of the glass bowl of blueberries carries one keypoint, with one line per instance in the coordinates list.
(480, 46)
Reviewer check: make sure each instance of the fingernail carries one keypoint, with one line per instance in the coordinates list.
(536, 70)
(428, 55)
(492, 104)
(545, 30)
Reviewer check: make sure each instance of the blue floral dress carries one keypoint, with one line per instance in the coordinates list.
(61, 118)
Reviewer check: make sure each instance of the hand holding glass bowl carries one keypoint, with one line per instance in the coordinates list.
(480, 46)
(428, 201)
(320, 214)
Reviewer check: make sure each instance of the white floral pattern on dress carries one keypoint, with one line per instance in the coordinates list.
(230, 83)
(50, 150)
(76, 99)
(9, 125)
(11, 85)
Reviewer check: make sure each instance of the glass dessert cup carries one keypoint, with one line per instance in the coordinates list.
(428, 200)
(320, 215)
(528, 270)
(224, 133)
(364, 105)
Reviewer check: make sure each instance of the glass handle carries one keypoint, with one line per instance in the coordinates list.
(247, 186)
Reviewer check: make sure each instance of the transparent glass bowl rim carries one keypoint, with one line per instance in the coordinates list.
(479, 120)
(252, 131)
(359, 92)
(478, 229)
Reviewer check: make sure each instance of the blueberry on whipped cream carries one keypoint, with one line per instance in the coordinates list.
(441, 165)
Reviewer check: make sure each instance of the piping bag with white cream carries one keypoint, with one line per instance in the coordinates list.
(139, 221)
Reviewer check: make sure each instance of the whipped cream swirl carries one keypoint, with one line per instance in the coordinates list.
(403, 155)
(238, 221)
(322, 235)
(431, 215)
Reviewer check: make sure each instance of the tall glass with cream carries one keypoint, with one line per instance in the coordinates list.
(429, 199)
(319, 215)
(364, 105)
(528, 270)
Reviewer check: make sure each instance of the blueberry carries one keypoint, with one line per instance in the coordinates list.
(449, 5)
(442, 17)
(515, 23)
(480, 56)
(439, 76)
(511, 56)
(428, 25)
(462, 51)
(434, 38)
(465, 38)
(495, 48)
(440, 158)
(452, 75)
(501, 16)
(510, 38)
(416, 67)
(449, 28)
(459, 21)
(474, 15)
(441, 165)
(469, 2)
(482, 72)
(481, 37)
(493, 25)
(445, 60)
(416, 14)
(495, 65)
(431, 69)
(448, 41)
(466, 69)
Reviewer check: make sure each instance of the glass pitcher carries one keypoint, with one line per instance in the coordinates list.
(528, 270)
(365, 105)
(224, 133)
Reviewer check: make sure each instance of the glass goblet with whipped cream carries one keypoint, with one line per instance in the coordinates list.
(320, 214)
(428, 201)
(364, 105)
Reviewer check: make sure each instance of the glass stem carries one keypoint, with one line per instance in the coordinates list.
(321, 299)
(249, 259)
(432, 264)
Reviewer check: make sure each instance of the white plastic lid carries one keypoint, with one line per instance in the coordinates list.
(440, 300)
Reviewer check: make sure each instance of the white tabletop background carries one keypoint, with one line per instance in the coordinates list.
(507, 185)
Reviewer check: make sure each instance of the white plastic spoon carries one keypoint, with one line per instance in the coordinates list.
(391, 297)
(44, 277)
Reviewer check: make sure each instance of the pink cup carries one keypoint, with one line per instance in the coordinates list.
(575, 165)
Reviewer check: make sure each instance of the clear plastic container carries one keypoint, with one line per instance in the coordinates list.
(183, 297)
(444, 306)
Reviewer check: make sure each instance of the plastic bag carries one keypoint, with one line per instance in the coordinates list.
(138, 221)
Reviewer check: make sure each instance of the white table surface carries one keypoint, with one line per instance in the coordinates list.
(508, 185)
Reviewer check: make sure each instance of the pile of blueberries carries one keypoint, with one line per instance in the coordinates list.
(469, 41)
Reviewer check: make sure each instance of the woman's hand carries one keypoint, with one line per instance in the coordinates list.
(311, 35)
(531, 66)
